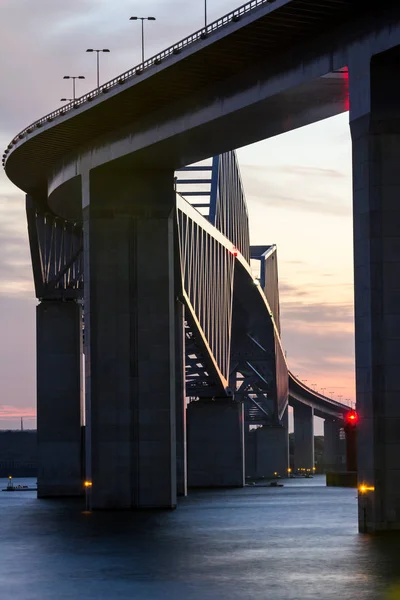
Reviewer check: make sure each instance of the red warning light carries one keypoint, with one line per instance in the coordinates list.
(351, 417)
(234, 251)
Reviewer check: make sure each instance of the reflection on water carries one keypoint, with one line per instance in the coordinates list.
(299, 542)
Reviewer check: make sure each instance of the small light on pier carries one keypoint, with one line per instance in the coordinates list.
(363, 488)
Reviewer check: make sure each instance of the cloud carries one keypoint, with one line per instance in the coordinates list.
(17, 355)
(318, 313)
(290, 169)
(288, 289)
(301, 187)
(319, 341)
(15, 265)
(13, 412)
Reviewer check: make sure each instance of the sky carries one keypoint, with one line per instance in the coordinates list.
(298, 186)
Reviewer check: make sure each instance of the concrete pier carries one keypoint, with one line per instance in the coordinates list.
(375, 130)
(303, 437)
(334, 447)
(215, 443)
(267, 451)
(59, 398)
(130, 314)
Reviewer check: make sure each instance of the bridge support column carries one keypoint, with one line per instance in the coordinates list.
(59, 398)
(333, 446)
(303, 437)
(181, 449)
(268, 451)
(215, 443)
(129, 223)
(375, 129)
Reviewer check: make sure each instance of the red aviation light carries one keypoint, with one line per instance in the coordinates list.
(234, 251)
(351, 417)
(347, 91)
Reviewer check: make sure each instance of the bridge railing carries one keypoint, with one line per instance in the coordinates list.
(175, 49)
(316, 393)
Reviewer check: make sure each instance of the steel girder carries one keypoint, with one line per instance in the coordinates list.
(228, 203)
(258, 367)
(207, 284)
(56, 247)
(219, 197)
(224, 332)
(232, 344)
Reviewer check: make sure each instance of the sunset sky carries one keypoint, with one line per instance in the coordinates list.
(298, 186)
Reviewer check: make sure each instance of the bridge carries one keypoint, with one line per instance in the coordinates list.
(107, 163)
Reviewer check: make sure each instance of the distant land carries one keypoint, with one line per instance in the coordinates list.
(18, 453)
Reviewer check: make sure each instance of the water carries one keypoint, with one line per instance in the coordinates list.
(299, 542)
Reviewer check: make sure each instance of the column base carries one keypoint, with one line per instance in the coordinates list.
(59, 348)
(215, 444)
(268, 451)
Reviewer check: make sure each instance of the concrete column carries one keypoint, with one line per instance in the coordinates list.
(181, 450)
(303, 436)
(333, 446)
(284, 452)
(375, 130)
(129, 219)
(271, 451)
(215, 444)
(249, 452)
(59, 396)
(268, 449)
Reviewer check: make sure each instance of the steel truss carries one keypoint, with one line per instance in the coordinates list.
(56, 251)
(232, 346)
(237, 342)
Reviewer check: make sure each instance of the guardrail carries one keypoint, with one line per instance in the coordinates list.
(175, 49)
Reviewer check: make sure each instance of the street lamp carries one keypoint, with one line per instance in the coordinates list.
(73, 77)
(205, 13)
(143, 19)
(98, 61)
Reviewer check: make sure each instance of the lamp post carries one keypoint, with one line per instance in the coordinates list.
(73, 77)
(143, 19)
(98, 61)
(205, 13)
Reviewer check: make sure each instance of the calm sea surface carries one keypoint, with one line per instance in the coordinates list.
(299, 542)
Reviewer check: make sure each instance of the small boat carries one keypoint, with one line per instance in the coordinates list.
(17, 488)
